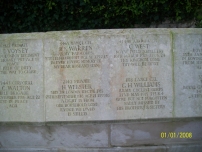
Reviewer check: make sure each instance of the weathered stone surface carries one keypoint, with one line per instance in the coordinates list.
(21, 78)
(108, 74)
(185, 148)
(155, 133)
(77, 77)
(74, 136)
(187, 48)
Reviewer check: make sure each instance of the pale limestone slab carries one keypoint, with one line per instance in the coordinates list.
(187, 47)
(21, 78)
(77, 78)
(141, 76)
(108, 75)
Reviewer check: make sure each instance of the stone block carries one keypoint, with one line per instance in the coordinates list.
(155, 133)
(31, 136)
(185, 148)
(21, 78)
(187, 47)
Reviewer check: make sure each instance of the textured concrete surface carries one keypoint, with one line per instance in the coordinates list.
(54, 136)
(156, 133)
(185, 148)
(105, 135)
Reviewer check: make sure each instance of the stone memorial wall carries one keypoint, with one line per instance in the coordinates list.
(101, 91)
(101, 75)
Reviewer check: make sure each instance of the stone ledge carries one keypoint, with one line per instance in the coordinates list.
(99, 135)
(166, 148)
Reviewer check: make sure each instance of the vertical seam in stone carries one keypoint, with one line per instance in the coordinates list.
(166, 148)
(44, 104)
(173, 71)
(109, 135)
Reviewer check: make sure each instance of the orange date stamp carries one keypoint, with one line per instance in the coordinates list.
(176, 134)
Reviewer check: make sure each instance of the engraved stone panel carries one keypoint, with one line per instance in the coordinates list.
(21, 79)
(141, 80)
(108, 75)
(188, 73)
(77, 77)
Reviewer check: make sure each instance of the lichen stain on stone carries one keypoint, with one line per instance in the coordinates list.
(116, 82)
(150, 72)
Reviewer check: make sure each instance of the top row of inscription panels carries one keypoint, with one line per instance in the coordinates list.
(101, 75)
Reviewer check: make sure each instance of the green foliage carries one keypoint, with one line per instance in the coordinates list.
(50, 4)
(52, 15)
(198, 16)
